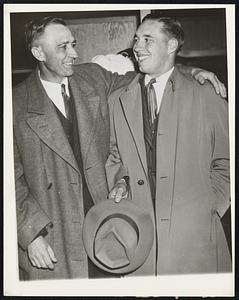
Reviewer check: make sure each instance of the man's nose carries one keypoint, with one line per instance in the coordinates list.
(72, 52)
(137, 46)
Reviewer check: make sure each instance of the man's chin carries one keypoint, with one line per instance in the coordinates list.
(69, 73)
(142, 69)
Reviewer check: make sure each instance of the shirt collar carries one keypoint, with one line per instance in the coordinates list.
(51, 85)
(162, 78)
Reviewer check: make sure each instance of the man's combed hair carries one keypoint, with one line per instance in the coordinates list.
(35, 28)
(171, 27)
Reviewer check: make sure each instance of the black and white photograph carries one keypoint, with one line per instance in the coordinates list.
(119, 150)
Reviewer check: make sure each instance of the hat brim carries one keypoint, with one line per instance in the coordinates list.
(126, 210)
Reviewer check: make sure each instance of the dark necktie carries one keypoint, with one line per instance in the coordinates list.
(66, 99)
(152, 101)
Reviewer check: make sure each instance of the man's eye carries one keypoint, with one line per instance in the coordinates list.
(136, 39)
(73, 45)
(64, 47)
(147, 40)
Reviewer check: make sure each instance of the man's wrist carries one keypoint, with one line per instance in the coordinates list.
(42, 233)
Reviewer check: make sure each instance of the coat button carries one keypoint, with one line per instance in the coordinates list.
(140, 182)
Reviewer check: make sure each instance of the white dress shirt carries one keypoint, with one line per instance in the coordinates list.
(53, 91)
(159, 85)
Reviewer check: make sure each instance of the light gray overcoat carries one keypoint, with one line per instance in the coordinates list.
(192, 185)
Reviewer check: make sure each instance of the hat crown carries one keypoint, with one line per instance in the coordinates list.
(115, 243)
(118, 237)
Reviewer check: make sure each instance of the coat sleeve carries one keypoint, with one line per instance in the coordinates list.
(217, 111)
(103, 79)
(115, 169)
(31, 219)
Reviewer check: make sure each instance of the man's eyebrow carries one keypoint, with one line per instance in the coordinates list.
(66, 43)
(63, 43)
(148, 35)
(144, 35)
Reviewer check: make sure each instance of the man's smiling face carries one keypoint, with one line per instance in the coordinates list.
(56, 46)
(151, 48)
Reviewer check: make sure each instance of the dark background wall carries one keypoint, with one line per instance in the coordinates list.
(95, 32)
(104, 32)
(205, 39)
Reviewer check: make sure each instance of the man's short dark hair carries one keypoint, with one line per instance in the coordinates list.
(171, 27)
(35, 28)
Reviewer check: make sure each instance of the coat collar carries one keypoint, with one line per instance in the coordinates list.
(44, 121)
(37, 100)
(132, 105)
(46, 124)
(131, 100)
(87, 108)
(173, 81)
(36, 94)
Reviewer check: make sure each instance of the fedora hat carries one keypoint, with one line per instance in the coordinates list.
(118, 236)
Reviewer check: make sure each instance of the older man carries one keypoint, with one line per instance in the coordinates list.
(61, 143)
(61, 131)
(169, 153)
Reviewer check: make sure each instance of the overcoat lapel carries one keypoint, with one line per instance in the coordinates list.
(45, 122)
(132, 105)
(131, 101)
(87, 108)
(166, 150)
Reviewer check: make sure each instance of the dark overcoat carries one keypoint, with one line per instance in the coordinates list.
(47, 178)
(192, 184)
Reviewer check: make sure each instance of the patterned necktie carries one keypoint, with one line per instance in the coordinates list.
(66, 99)
(152, 101)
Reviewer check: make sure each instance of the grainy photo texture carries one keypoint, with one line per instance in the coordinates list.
(121, 143)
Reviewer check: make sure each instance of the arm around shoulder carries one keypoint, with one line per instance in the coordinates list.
(104, 79)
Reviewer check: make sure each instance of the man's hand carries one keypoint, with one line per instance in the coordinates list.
(201, 75)
(119, 191)
(41, 254)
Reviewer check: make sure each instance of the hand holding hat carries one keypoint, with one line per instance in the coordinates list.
(120, 190)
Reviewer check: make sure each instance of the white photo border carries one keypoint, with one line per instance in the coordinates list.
(181, 285)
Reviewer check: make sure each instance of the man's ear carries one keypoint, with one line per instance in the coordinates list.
(38, 53)
(172, 45)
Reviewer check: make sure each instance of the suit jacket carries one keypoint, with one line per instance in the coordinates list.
(47, 178)
(192, 184)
